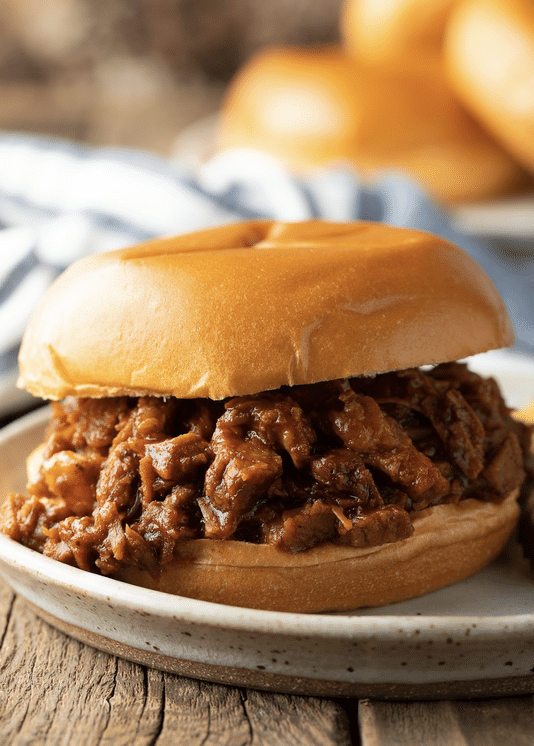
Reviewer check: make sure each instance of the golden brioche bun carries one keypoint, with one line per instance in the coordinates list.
(450, 543)
(319, 107)
(253, 306)
(392, 30)
(489, 51)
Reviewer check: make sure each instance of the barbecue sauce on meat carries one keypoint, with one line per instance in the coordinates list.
(122, 480)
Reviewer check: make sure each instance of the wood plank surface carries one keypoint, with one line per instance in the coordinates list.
(55, 691)
(496, 722)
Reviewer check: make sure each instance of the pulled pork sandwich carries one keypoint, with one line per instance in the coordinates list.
(239, 416)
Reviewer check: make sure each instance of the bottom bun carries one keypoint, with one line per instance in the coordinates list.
(450, 542)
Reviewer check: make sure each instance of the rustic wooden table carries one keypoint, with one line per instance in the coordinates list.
(55, 691)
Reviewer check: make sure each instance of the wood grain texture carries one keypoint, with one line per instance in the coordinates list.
(411, 724)
(55, 691)
(495, 722)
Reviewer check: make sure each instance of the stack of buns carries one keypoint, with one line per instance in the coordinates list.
(442, 90)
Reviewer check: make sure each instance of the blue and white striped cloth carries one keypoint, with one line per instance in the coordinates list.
(60, 201)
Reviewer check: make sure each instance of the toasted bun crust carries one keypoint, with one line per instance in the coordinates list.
(253, 306)
(450, 543)
(320, 107)
(490, 58)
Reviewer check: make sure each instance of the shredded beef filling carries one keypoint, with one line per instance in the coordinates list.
(122, 480)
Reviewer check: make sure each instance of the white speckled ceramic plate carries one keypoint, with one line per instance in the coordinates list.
(475, 638)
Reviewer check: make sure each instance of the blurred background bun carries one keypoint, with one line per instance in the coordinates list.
(383, 31)
(324, 107)
(490, 61)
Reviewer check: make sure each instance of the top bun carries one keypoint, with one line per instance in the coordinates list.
(252, 306)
